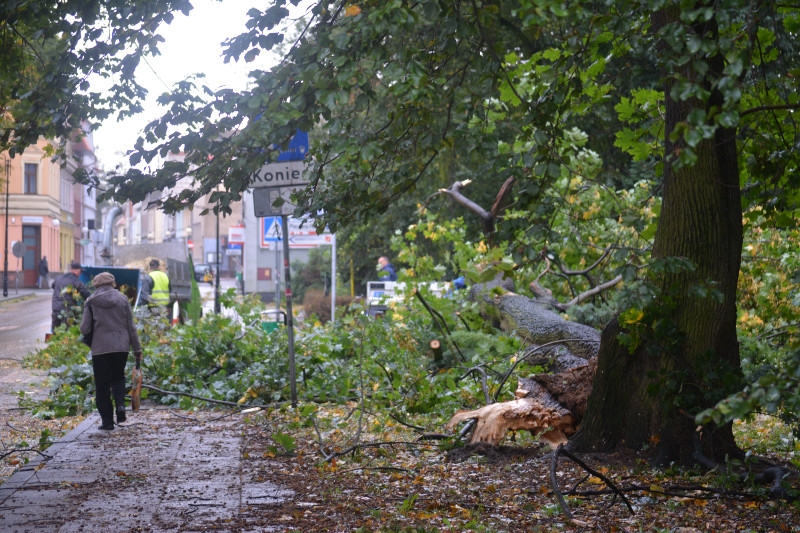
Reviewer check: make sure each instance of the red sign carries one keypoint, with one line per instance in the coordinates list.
(236, 235)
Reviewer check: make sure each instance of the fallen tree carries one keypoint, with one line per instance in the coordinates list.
(551, 405)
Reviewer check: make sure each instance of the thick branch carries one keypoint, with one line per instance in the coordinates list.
(455, 193)
(210, 400)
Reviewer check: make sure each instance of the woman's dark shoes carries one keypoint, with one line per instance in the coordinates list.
(121, 416)
(107, 427)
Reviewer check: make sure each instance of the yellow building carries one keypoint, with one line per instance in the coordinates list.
(42, 209)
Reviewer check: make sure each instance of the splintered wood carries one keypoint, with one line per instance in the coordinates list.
(534, 410)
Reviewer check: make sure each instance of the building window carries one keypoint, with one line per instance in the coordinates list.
(31, 173)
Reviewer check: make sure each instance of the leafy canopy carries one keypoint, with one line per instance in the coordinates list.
(65, 62)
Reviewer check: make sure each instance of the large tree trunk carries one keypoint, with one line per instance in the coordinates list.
(650, 396)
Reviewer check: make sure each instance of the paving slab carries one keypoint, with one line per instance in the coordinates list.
(159, 472)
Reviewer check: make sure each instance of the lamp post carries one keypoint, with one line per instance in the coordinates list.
(5, 253)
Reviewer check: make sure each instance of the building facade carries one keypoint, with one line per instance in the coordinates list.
(48, 214)
(138, 224)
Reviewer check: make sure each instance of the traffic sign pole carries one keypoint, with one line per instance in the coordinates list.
(289, 317)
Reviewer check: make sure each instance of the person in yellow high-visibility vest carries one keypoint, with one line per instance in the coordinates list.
(156, 287)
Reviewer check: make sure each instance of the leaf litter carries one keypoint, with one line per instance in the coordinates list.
(390, 480)
(379, 475)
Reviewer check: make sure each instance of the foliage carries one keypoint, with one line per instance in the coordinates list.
(769, 314)
(194, 308)
(775, 393)
(66, 62)
(383, 363)
(312, 274)
(317, 305)
(71, 378)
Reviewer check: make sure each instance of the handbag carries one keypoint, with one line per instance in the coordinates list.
(87, 339)
(136, 387)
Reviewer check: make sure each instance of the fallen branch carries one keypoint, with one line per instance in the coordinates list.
(14, 428)
(434, 436)
(484, 385)
(319, 435)
(773, 474)
(561, 451)
(19, 450)
(195, 419)
(554, 483)
(351, 449)
(528, 356)
(193, 396)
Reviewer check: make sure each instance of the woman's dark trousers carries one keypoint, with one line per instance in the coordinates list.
(109, 378)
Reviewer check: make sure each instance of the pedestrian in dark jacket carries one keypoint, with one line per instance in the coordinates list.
(386, 270)
(107, 316)
(66, 289)
(44, 270)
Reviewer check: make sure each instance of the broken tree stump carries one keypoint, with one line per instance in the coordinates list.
(534, 409)
(548, 405)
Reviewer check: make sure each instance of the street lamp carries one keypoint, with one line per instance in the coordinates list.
(5, 253)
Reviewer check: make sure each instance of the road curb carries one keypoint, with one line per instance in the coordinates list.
(16, 297)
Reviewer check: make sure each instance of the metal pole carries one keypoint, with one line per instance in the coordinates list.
(276, 275)
(216, 277)
(333, 279)
(289, 316)
(5, 253)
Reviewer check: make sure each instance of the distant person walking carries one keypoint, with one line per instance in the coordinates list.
(107, 316)
(156, 287)
(66, 289)
(386, 270)
(44, 271)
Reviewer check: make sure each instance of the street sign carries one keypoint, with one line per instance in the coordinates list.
(310, 241)
(271, 231)
(265, 197)
(277, 181)
(297, 149)
(17, 248)
(280, 174)
(299, 237)
(236, 235)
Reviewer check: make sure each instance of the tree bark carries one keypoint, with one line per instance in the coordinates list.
(698, 363)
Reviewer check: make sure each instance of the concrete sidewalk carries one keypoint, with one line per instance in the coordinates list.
(159, 472)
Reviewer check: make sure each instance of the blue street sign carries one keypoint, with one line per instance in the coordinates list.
(297, 149)
(271, 230)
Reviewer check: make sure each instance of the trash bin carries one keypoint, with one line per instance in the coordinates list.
(271, 319)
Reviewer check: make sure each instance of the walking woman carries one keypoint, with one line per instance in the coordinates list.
(108, 318)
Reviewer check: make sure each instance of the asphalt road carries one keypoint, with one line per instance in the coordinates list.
(24, 322)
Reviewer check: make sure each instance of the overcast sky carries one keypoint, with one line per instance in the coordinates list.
(192, 45)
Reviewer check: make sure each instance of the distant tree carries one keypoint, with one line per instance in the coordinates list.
(312, 274)
(63, 62)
